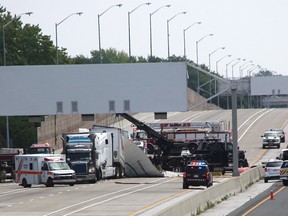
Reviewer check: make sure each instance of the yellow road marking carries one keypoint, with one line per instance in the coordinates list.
(158, 202)
(268, 198)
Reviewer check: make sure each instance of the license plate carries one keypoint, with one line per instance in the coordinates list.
(196, 176)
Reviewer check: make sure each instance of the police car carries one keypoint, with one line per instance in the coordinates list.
(284, 173)
(197, 173)
(272, 170)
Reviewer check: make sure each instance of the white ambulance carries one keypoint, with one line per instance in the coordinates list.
(48, 169)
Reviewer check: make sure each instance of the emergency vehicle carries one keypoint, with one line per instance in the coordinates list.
(48, 169)
(41, 148)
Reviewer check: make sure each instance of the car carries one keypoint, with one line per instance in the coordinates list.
(284, 173)
(272, 170)
(197, 173)
(281, 133)
(271, 139)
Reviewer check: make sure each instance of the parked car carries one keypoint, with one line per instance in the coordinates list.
(272, 170)
(197, 173)
(281, 133)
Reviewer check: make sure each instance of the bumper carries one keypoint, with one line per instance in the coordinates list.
(88, 177)
(66, 181)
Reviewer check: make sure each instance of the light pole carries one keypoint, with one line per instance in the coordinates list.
(168, 33)
(245, 68)
(198, 75)
(252, 69)
(234, 65)
(4, 64)
(229, 64)
(3, 31)
(56, 32)
(220, 60)
(150, 21)
(210, 54)
(129, 34)
(240, 67)
(99, 34)
(184, 37)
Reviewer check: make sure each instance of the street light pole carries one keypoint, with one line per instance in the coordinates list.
(150, 21)
(129, 32)
(99, 34)
(229, 64)
(56, 33)
(184, 37)
(220, 60)
(168, 33)
(210, 54)
(234, 65)
(198, 75)
(240, 67)
(4, 64)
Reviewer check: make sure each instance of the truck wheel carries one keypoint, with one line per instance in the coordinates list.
(120, 172)
(98, 174)
(265, 180)
(49, 183)
(278, 146)
(185, 186)
(285, 183)
(24, 183)
(263, 146)
(71, 184)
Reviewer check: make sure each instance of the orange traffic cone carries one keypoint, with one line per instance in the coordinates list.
(271, 195)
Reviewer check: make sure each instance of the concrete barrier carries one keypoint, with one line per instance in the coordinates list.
(194, 203)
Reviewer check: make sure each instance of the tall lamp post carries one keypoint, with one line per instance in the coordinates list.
(245, 68)
(99, 33)
(168, 33)
(210, 54)
(184, 36)
(129, 33)
(240, 67)
(4, 64)
(229, 64)
(220, 60)
(56, 32)
(252, 69)
(198, 78)
(234, 65)
(150, 22)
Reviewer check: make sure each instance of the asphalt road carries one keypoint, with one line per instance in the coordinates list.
(137, 195)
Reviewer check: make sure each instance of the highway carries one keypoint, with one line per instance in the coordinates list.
(135, 196)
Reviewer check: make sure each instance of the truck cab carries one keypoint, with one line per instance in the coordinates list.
(40, 148)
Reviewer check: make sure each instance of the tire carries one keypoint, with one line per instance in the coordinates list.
(265, 180)
(285, 183)
(278, 146)
(71, 184)
(49, 183)
(24, 183)
(98, 174)
(185, 186)
(263, 146)
(223, 172)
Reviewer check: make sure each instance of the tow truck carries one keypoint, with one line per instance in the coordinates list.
(181, 142)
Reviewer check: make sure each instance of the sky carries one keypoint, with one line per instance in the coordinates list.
(253, 30)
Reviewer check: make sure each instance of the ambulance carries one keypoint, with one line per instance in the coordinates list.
(47, 169)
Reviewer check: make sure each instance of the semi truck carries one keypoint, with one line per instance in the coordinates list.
(47, 169)
(96, 154)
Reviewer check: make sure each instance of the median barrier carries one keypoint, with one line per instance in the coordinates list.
(193, 203)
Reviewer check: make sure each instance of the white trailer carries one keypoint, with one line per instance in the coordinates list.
(48, 169)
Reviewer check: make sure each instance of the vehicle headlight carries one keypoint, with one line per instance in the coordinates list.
(91, 169)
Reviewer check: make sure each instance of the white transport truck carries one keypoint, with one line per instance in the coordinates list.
(48, 169)
(96, 153)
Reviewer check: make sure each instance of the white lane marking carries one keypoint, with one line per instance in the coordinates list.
(116, 197)
(250, 118)
(83, 202)
(253, 123)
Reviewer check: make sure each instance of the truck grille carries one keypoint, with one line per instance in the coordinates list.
(80, 168)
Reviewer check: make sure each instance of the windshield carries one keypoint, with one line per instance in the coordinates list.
(58, 166)
(39, 151)
(271, 134)
(78, 157)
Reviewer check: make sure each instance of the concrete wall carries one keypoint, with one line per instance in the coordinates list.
(191, 203)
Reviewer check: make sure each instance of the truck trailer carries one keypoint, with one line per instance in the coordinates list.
(47, 169)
